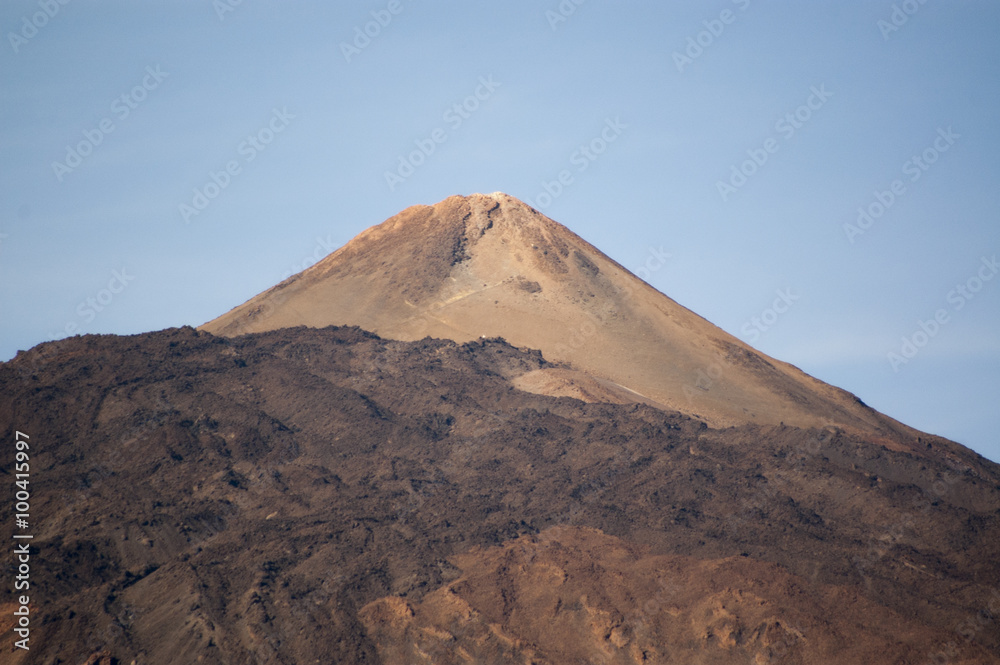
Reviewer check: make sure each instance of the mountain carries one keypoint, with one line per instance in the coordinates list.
(492, 266)
(273, 488)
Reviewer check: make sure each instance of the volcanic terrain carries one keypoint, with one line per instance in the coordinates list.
(468, 436)
(491, 266)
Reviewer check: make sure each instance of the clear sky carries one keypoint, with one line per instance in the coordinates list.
(821, 176)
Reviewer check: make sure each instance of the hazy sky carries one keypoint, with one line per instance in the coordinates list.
(822, 176)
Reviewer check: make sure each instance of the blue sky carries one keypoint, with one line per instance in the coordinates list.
(746, 137)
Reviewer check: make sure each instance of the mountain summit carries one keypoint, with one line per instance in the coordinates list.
(489, 265)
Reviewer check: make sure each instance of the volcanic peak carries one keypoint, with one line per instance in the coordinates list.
(490, 265)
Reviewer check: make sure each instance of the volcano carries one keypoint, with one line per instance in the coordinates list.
(492, 266)
(468, 436)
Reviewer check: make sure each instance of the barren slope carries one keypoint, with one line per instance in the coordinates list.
(304, 496)
(489, 265)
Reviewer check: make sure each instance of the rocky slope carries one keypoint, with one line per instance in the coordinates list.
(325, 495)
